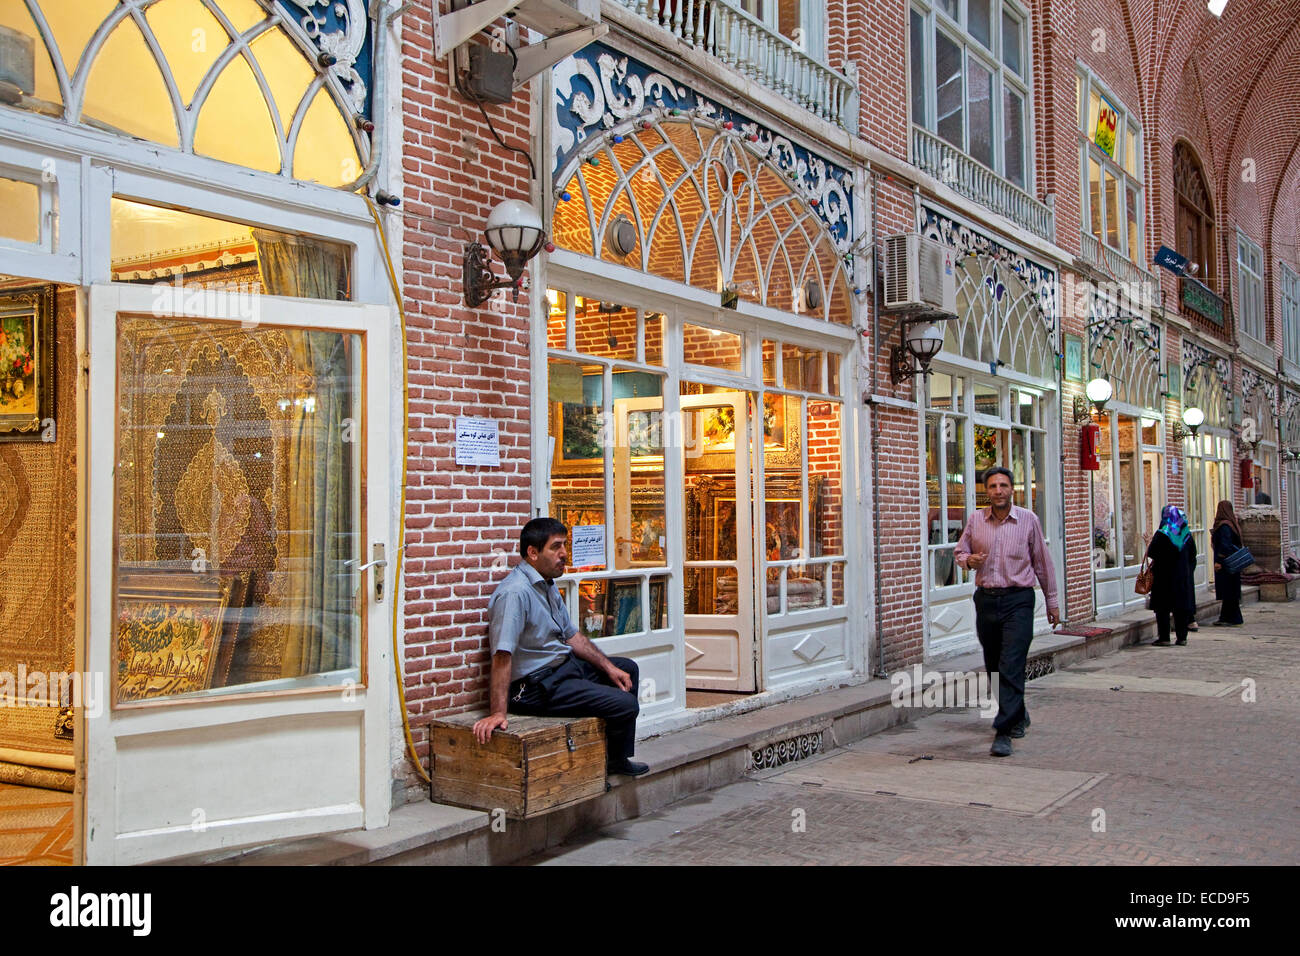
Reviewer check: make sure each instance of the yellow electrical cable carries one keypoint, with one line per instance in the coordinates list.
(401, 512)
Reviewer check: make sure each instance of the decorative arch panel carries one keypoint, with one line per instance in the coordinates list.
(651, 176)
(1207, 382)
(243, 81)
(1006, 304)
(1125, 349)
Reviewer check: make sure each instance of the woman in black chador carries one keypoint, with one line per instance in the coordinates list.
(1172, 554)
(1226, 538)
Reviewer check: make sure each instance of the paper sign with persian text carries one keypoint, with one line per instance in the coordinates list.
(588, 546)
(477, 442)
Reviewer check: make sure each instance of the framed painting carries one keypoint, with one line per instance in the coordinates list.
(623, 609)
(1073, 358)
(26, 363)
(580, 429)
(642, 542)
(658, 603)
(169, 628)
(1175, 381)
(714, 429)
(648, 537)
(591, 608)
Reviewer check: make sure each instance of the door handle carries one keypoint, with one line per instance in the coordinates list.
(378, 562)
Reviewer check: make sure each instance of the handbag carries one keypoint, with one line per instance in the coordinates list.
(1238, 561)
(1145, 579)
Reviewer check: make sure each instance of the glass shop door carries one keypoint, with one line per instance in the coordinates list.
(238, 593)
(721, 652)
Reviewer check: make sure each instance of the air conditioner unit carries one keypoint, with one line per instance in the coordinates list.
(920, 275)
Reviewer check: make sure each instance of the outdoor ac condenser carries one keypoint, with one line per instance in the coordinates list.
(919, 275)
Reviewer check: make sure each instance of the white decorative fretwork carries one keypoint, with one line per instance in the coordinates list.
(1125, 349)
(238, 56)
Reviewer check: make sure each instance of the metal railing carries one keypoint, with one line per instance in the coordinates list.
(1115, 265)
(976, 181)
(765, 56)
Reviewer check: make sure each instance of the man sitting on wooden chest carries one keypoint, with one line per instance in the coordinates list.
(542, 666)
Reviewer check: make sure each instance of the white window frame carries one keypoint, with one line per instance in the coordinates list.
(812, 21)
(1265, 462)
(1250, 285)
(1125, 128)
(934, 18)
(1290, 314)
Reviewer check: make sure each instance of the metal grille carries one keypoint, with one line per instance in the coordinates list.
(1040, 668)
(782, 752)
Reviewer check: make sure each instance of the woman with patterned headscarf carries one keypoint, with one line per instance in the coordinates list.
(1226, 538)
(1172, 554)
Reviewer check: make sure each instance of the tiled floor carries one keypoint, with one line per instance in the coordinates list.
(35, 827)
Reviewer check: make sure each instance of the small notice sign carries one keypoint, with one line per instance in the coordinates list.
(588, 546)
(477, 442)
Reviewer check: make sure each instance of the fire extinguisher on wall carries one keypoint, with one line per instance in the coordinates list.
(1247, 473)
(1088, 436)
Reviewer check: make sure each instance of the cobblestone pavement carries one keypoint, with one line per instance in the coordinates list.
(1188, 779)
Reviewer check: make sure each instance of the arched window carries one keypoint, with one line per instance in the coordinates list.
(1205, 384)
(998, 318)
(1195, 236)
(235, 80)
(1125, 349)
(691, 202)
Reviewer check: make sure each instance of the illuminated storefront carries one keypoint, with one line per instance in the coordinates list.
(207, 389)
(690, 387)
(990, 400)
(1128, 489)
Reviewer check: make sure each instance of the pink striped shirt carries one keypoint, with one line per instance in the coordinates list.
(1017, 553)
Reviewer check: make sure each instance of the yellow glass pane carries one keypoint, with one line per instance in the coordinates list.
(325, 152)
(242, 13)
(191, 39)
(73, 24)
(287, 73)
(126, 91)
(14, 16)
(21, 203)
(234, 122)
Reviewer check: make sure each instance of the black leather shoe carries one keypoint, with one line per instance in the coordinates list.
(1001, 746)
(628, 768)
(1163, 642)
(1181, 642)
(1019, 729)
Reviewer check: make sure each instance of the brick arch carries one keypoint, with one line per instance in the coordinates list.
(1265, 100)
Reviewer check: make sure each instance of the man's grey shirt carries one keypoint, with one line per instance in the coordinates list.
(528, 620)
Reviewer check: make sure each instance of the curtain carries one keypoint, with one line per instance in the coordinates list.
(324, 437)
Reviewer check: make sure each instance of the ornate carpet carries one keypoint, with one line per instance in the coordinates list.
(38, 513)
(35, 827)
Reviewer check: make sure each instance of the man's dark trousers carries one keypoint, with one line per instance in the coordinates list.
(1004, 621)
(577, 689)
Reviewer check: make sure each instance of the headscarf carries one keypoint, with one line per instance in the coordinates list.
(1174, 525)
(1225, 515)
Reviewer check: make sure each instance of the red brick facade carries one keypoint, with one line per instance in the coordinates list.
(1229, 88)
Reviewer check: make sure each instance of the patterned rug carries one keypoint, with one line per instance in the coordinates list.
(35, 827)
(1083, 630)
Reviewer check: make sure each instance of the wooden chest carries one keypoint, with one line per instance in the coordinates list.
(536, 765)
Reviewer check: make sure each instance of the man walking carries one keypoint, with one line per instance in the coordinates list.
(542, 665)
(1004, 545)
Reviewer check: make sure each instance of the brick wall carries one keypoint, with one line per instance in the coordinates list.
(1223, 86)
(462, 362)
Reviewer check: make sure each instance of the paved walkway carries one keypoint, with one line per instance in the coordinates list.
(1149, 756)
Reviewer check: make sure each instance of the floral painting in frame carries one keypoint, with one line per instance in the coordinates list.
(26, 363)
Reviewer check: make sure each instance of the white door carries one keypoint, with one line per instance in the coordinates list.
(719, 563)
(238, 498)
